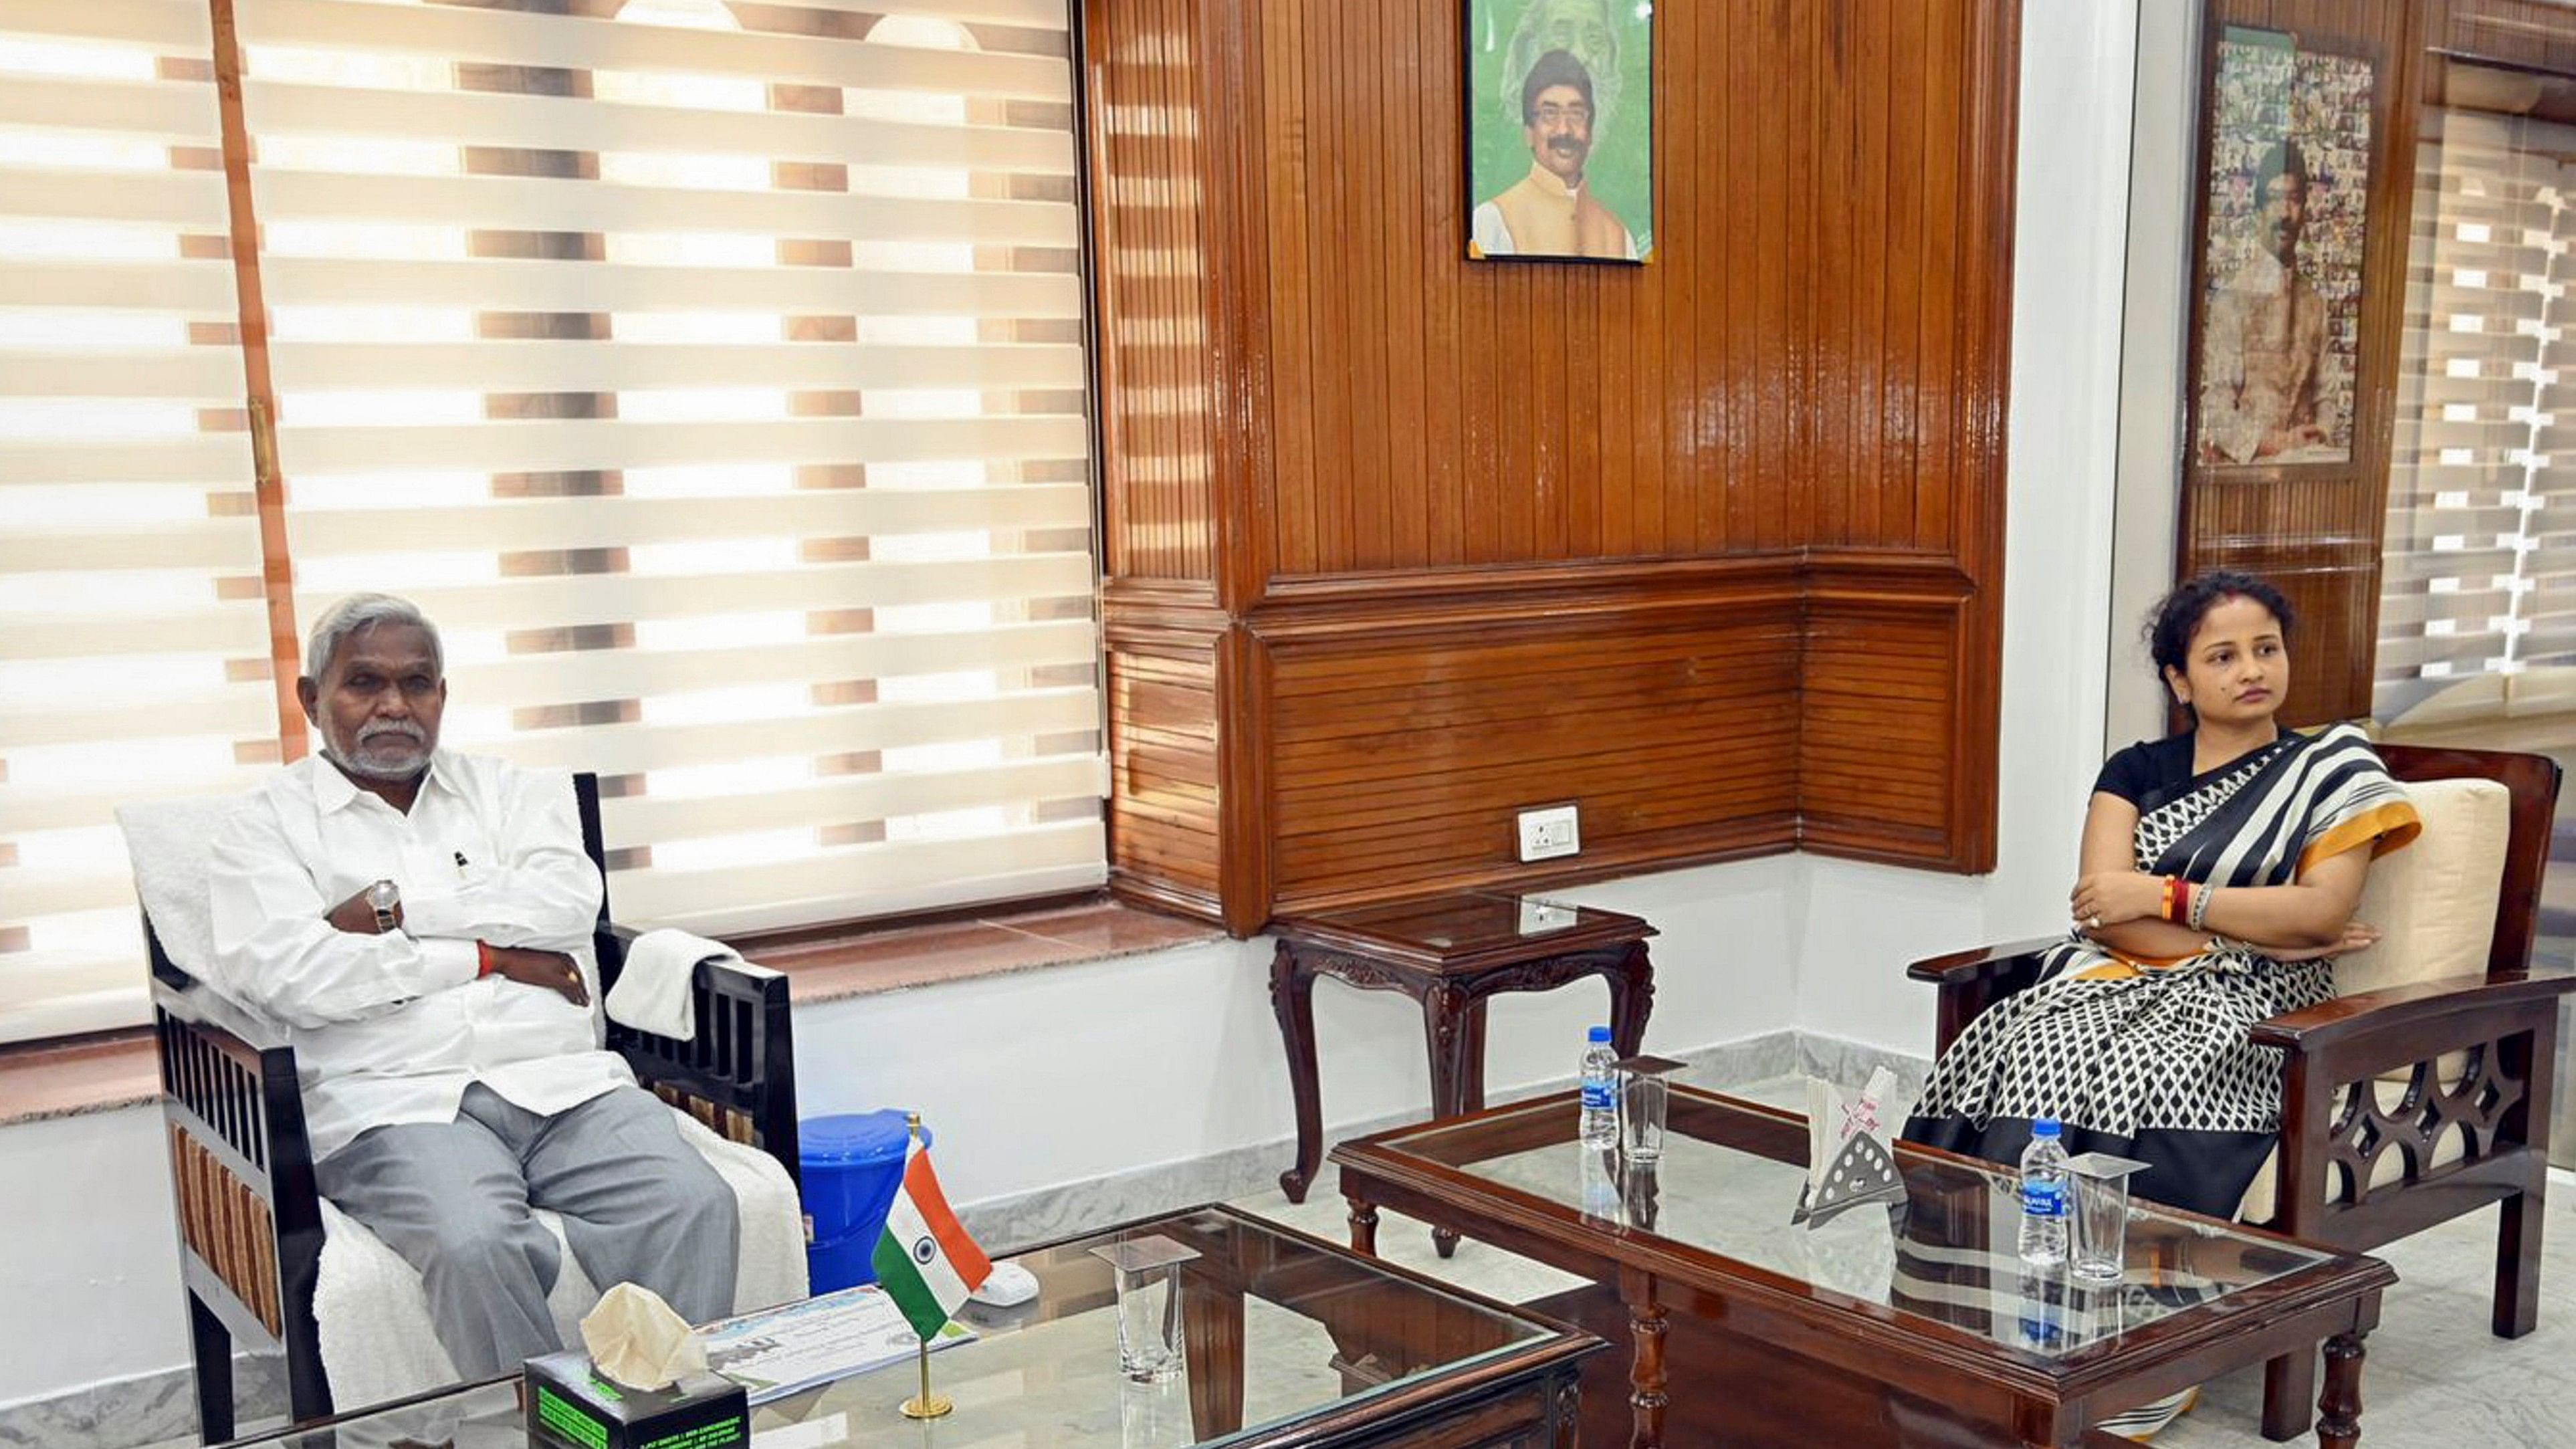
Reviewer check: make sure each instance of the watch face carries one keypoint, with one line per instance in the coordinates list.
(382, 895)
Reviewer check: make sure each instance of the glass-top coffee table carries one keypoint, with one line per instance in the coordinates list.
(1287, 1340)
(1926, 1297)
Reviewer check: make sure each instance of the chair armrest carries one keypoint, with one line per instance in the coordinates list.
(1971, 981)
(737, 1072)
(2443, 1014)
(1960, 968)
(187, 999)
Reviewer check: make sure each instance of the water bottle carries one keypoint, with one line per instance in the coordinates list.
(2044, 1195)
(1600, 1091)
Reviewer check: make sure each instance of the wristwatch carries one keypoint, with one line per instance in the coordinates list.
(383, 897)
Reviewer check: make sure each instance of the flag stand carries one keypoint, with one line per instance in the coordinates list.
(928, 1405)
(925, 1405)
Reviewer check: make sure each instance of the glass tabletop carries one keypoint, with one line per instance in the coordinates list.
(1462, 923)
(1312, 1328)
(1729, 1181)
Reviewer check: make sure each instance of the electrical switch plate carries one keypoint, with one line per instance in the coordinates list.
(1548, 833)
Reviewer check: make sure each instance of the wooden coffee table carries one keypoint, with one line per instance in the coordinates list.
(1924, 1299)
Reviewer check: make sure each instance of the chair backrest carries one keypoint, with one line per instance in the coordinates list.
(2460, 831)
(167, 841)
(2435, 900)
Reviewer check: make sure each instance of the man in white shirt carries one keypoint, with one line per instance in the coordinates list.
(420, 921)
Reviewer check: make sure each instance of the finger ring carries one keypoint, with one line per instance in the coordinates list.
(2093, 922)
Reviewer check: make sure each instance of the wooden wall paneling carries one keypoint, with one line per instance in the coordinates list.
(1401, 756)
(1164, 756)
(1446, 497)
(2532, 34)
(2315, 528)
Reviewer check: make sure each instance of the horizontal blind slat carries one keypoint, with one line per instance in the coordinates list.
(640, 673)
(631, 748)
(578, 286)
(857, 798)
(563, 123)
(577, 445)
(577, 366)
(611, 521)
(580, 43)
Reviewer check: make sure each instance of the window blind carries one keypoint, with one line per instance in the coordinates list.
(2472, 482)
(714, 375)
(133, 635)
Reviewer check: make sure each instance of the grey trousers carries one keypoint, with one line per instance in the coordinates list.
(453, 1198)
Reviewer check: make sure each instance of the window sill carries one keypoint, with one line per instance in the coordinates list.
(863, 963)
(44, 1080)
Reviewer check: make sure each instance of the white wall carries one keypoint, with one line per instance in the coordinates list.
(1860, 924)
(89, 1249)
(1058, 1076)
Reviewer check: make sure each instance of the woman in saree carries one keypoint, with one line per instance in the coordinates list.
(2220, 870)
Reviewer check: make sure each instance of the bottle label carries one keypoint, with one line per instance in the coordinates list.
(2041, 1198)
(1596, 1096)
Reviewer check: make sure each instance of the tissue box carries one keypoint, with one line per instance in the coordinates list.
(572, 1407)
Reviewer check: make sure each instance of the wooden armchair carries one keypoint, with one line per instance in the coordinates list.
(250, 1220)
(2423, 1091)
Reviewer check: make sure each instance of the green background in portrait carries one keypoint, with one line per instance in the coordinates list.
(1620, 169)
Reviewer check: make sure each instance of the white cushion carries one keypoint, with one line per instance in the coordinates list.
(2434, 900)
(377, 1340)
(169, 843)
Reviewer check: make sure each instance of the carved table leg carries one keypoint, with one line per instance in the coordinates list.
(2339, 1407)
(1471, 1056)
(1444, 1031)
(1363, 1227)
(1292, 997)
(1632, 998)
(1646, 1397)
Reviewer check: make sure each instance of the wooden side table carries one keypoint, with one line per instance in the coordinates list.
(1449, 952)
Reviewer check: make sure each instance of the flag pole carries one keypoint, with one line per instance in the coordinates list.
(928, 1405)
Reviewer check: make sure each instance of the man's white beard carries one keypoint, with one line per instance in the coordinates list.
(412, 763)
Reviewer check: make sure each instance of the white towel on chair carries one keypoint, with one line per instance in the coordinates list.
(652, 993)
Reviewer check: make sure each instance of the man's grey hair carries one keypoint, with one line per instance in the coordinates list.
(366, 611)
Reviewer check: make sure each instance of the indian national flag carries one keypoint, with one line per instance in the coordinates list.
(925, 1262)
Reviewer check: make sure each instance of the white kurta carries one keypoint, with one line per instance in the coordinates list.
(392, 1028)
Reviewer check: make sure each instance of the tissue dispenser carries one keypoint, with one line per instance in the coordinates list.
(572, 1406)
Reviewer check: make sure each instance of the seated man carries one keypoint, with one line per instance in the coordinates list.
(420, 922)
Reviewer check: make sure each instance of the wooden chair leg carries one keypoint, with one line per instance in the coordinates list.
(2517, 1278)
(211, 1346)
(2289, 1394)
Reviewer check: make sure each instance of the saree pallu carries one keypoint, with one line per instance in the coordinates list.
(2153, 1059)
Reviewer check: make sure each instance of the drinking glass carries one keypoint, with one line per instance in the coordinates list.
(2099, 1250)
(1643, 1098)
(1146, 1271)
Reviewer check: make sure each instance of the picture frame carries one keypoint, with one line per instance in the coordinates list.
(2284, 233)
(1560, 130)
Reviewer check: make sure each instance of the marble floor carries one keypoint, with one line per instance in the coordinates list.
(2434, 1376)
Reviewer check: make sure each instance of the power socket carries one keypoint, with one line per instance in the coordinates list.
(1549, 832)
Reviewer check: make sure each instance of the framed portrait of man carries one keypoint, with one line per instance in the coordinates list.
(1560, 130)
(2289, 186)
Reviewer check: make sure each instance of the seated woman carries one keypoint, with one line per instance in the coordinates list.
(2220, 871)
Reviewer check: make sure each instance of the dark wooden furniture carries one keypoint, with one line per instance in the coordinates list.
(1924, 1300)
(1449, 953)
(2334, 1128)
(250, 1220)
(1402, 1360)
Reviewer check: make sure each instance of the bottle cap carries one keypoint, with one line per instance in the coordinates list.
(2043, 1127)
(1600, 1033)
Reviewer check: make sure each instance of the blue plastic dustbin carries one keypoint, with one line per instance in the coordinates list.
(851, 1165)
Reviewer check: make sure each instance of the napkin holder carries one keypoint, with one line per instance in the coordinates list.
(573, 1406)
